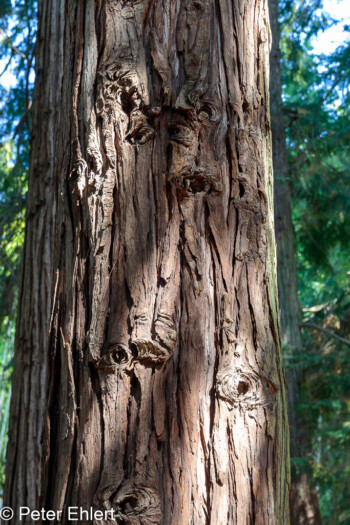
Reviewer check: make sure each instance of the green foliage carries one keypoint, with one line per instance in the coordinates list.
(13, 186)
(5, 8)
(317, 116)
(6, 344)
(18, 27)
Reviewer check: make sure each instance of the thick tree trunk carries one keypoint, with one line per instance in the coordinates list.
(148, 331)
(303, 497)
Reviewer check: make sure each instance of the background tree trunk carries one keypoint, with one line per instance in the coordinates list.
(148, 328)
(303, 497)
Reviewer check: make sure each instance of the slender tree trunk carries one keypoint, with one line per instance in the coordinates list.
(148, 357)
(303, 497)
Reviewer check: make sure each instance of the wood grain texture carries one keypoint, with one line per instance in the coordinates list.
(165, 393)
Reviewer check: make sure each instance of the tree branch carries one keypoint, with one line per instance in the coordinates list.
(22, 121)
(325, 331)
(8, 63)
(14, 49)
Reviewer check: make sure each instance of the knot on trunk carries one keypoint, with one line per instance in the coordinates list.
(117, 357)
(151, 351)
(191, 116)
(245, 389)
(160, 348)
(164, 329)
(139, 130)
(197, 180)
(132, 505)
(138, 506)
(119, 85)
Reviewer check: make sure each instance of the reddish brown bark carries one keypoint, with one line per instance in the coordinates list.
(165, 396)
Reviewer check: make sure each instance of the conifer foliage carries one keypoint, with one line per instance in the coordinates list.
(17, 40)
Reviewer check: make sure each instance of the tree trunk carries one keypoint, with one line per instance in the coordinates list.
(303, 498)
(148, 348)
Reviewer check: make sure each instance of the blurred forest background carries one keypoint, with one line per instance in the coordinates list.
(316, 110)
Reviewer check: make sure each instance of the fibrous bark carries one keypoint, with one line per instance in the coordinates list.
(165, 394)
(303, 498)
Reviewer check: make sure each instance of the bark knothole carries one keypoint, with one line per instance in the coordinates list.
(198, 180)
(119, 89)
(156, 111)
(117, 358)
(149, 350)
(135, 505)
(191, 116)
(165, 332)
(154, 344)
(139, 131)
(244, 389)
(139, 505)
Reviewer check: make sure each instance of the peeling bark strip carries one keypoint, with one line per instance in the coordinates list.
(164, 390)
